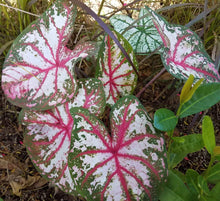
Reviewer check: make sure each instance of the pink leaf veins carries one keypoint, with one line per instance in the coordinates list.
(48, 133)
(128, 165)
(184, 53)
(116, 74)
(38, 72)
(47, 139)
(90, 95)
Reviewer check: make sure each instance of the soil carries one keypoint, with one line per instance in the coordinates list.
(19, 180)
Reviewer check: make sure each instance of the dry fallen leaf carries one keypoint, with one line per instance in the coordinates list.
(19, 182)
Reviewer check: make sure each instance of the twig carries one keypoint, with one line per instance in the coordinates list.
(149, 83)
(80, 29)
(17, 9)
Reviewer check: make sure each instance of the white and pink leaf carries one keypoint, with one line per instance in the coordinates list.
(115, 72)
(128, 165)
(90, 95)
(184, 53)
(47, 139)
(38, 72)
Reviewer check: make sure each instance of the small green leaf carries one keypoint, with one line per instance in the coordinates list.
(204, 97)
(191, 180)
(175, 190)
(188, 90)
(208, 134)
(214, 174)
(182, 146)
(165, 120)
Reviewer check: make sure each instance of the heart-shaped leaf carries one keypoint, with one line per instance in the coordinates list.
(90, 96)
(47, 139)
(141, 33)
(183, 53)
(129, 164)
(115, 72)
(39, 69)
(48, 133)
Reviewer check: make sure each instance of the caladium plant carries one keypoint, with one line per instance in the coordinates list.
(47, 139)
(141, 34)
(90, 95)
(127, 164)
(183, 52)
(48, 133)
(38, 72)
(115, 72)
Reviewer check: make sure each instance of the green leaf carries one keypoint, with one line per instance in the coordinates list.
(165, 120)
(182, 146)
(191, 180)
(214, 174)
(141, 33)
(175, 190)
(205, 96)
(215, 193)
(208, 134)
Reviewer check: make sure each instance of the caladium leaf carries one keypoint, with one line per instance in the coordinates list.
(48, 133)
(129, 164)
(141, 34)
(90, 96)
(38, 71)
(47, 139)
(183, 53)
(115, 72)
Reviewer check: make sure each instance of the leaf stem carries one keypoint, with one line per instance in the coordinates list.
(100, 7)
(210, 165)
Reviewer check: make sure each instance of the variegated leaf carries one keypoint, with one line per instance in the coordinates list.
(90, 96)
(183, 53)
(48, 133)
(141, 34)
(115, 72)
(47, 139)
(128, 165)
(39, 69)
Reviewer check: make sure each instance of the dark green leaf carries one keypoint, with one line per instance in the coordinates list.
(208, 134)
(165, 120)
(175, 190)
(215, 193)
(205, 96)
(214, 174)
(191, 180)
(182, 146)
(202, 184)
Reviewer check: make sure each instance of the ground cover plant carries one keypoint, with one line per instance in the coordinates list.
(67, 132)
